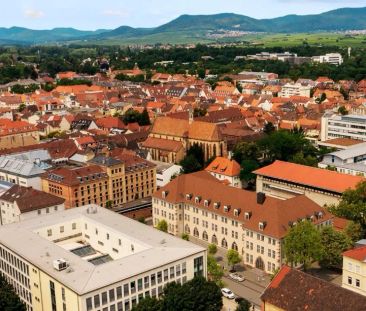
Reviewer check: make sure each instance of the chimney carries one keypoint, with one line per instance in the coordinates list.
(261, 197)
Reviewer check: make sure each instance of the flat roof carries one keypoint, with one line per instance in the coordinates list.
(158, 249)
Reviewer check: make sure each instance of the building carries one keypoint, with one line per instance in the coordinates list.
(170, 138)
(330, 58)
(350, 161)
(19, 203)
(354, 270)
(106, 181)
(17, 134)
(253, 224)
(165, 172)
(286, 180)
(89, 259)
(26, 168)
(295, 89)
(348, 126)
(226, 170)
(296, 290)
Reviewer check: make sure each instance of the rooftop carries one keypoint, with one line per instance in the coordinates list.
(358, 253)
(310, 176)
(153, 248)
(224, 166)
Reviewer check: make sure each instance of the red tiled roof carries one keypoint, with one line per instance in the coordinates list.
(310, 176)
(224, 166)
(358, 253)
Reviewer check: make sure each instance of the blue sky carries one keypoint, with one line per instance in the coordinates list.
(94, 14)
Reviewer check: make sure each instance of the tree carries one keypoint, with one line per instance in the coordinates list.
(190, 164)
(354, 231)
(269, 128)
(302, 245)
(162, 225)
(21, 107)
(352, 205)
(214, 270)
(185, 236)
(247, 169)
(144, 118)
(212, 249)
(142, 220)
(108, 204)
(233, 258)
(149, 304)
(9, 301)
(197, 294)
(244, 305)
(334, 244)
(342, 110)
(246, 151)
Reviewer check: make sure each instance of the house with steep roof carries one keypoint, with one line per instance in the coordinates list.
(286, 180)
(226, 170)
(354, 270)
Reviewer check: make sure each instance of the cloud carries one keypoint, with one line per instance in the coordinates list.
(117, 13)
(34, 14)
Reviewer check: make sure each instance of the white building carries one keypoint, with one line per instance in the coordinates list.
(225, 169)
(349, 161)
(89, 259)
(331, 58)
(295, 89)
(165, 172)
(338, 126)
(19, 203)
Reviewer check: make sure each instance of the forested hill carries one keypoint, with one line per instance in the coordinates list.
(197, 27)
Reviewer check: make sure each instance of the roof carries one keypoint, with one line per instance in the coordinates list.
(294, 290)
(153, 248)
(276, 213)
(310, 176)
(170, 126)
(343, 142)
(358, 253)
(224, 166)
(162, 144)
(354, 151)
(29, 199)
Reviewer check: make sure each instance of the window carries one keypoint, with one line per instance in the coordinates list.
(349, 280)
(153, 279)
(139, 284)
(184, 267)
(62, 229)
(104, 298)
(166, 275)
(119, 292)
(198, 266)
(111, 295)
(133, 287)
(73, 226)
(126, 291)
(89, 304)
(357, 282)
(49, 232)
(96, 301)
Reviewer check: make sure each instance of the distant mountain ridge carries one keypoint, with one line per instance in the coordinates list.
(198, 25)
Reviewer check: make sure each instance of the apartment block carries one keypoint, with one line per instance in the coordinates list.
(253, 224)
(295, 89)
(90, 259)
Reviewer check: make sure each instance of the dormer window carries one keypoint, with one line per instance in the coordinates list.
(247, 215)
(188, 196)
(197, 199)
(237, 212)
(226, 208)
(262, 225)
(164, 194)
(217, 205)
(320, 214)
(206, 203)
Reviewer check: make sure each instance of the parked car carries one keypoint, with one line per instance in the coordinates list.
(236, 277)
(227, 293)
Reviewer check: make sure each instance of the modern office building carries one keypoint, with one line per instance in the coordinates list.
(91, 259)
(330, 58)
(295, 89)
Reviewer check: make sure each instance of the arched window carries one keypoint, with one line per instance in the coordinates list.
(214, 239)
(234, 246)
(196, 233)
(205, 236)
(224, 243)
(259, 263)
(187, 230)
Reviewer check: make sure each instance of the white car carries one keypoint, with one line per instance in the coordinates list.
(227, 293)
(236, 277)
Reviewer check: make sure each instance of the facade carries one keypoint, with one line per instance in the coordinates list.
(253, 224)
(89, 259)
(296, 89)
(20, 203)
(348, 126)
(354, 270)
(292, 289)
(226, 170)
(350, 161)
(106, 181)
(284, 180)
(330, 58)
(165, 172)
(170, 139)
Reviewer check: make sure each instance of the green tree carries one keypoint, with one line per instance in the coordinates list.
(9, 301)
(131, 116)
(246, 151)
(212, 249)
(342, 110)
(352, 205)
(247, 169)
(109, 204)
(197, 294)
(334, 244)
(354, 231)
(233, 258)
(21, 107)
(214, 270)
(162, 225)
(144, 118)
(244, 305)
(269, 128)
(185, 236)
(190, 164)
(302, 245)
(149, 304)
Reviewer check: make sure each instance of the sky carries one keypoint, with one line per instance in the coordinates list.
(110, 14)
